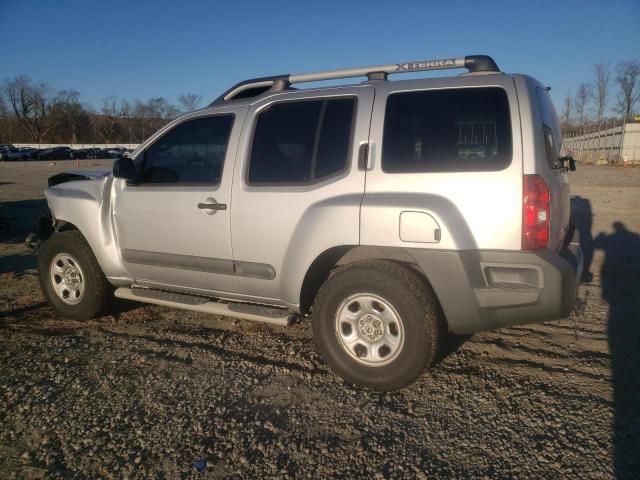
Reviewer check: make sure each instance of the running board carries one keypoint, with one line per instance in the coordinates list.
(244, 311)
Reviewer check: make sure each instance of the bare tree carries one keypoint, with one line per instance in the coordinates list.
(580, 102)
(31, 104)
(567, 110)
(105, 121)
(142, 114)
(627, 78)
(127, 114)
(602, 73)
(72, 111)
(160, 111)
(5, 121)
(189, 101)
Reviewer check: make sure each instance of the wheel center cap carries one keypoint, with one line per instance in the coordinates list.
(371, 327)
(71, 277)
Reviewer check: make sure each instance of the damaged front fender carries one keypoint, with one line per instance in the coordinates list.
(72, 175)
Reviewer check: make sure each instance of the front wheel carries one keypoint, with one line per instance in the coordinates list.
(376, 324)
(71, 279)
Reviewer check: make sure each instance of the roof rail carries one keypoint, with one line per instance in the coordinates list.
(474, 63)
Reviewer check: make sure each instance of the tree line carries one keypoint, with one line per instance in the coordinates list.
(33, 112)
(617, 86)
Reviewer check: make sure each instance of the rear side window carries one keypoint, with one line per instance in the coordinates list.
(302, 142)
(453, 130)
(550, 127)
(191, 153)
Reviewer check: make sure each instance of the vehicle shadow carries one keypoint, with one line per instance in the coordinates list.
(18, 263)
(450, 344)
(582, 218)
(620, 279)
(19, 217)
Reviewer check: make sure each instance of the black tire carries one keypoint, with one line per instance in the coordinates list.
(410, 297)
(97, 291)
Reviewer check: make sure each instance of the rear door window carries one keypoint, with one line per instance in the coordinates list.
(452, 130)
(302, 142)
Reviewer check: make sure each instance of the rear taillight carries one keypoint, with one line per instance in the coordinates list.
(535, 213)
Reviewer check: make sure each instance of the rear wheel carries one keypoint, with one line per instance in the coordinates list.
(70, 277)
(376, 324)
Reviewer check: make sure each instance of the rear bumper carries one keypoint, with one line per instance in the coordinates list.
(486, 290)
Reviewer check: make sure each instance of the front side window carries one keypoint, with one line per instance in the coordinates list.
(301, 142)
(191, 153)
(453, 130)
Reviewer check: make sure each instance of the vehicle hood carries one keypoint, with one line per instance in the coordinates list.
(72, 175)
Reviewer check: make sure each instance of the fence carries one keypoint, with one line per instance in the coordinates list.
(604, 144)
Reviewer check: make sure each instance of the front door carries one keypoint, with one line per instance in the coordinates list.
(173, 224)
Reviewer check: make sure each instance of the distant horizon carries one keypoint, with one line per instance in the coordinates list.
(132, 51)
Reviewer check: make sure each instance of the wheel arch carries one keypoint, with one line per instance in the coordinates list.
(335, 257)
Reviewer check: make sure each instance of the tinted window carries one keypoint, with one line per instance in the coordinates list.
(193, 152)
(447, 130)
(299, 142)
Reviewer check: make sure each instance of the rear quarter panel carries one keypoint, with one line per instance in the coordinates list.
(535, 157)
(475, 210)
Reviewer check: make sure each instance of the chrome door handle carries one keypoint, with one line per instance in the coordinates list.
(212, 206)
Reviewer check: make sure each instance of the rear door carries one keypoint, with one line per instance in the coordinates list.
(298, 188)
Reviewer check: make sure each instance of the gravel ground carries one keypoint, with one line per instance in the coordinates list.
(152, 392)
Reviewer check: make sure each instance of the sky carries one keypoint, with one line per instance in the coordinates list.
(145, 49)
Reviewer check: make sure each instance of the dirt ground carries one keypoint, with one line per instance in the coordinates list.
(152, 392)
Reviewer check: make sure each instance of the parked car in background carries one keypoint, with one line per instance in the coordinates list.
(6, 146)
(117, 152)
(56, 153)
(79, 154)
(91, 152)
(23, 154)
(4, 152)
(15, 154)
(107, 153)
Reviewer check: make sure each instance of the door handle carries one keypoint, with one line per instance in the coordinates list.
(212, 206)
(363, 156)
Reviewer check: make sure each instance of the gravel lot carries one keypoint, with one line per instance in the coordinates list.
(152, 392)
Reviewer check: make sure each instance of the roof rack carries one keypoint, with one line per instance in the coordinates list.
(257, 86)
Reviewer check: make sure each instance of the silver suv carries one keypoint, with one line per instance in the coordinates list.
(392, 212)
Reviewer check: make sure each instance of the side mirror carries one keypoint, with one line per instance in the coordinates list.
(123, 168)
(571, 161)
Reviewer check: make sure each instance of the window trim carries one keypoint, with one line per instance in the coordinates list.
(143, 154)
(546, 108)
(314, 180)
(448, 89)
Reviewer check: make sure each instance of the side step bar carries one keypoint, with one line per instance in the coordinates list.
(244, 311)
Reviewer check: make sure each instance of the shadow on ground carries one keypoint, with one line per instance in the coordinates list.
(18, 263)
(18, 218)
(620, 281)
